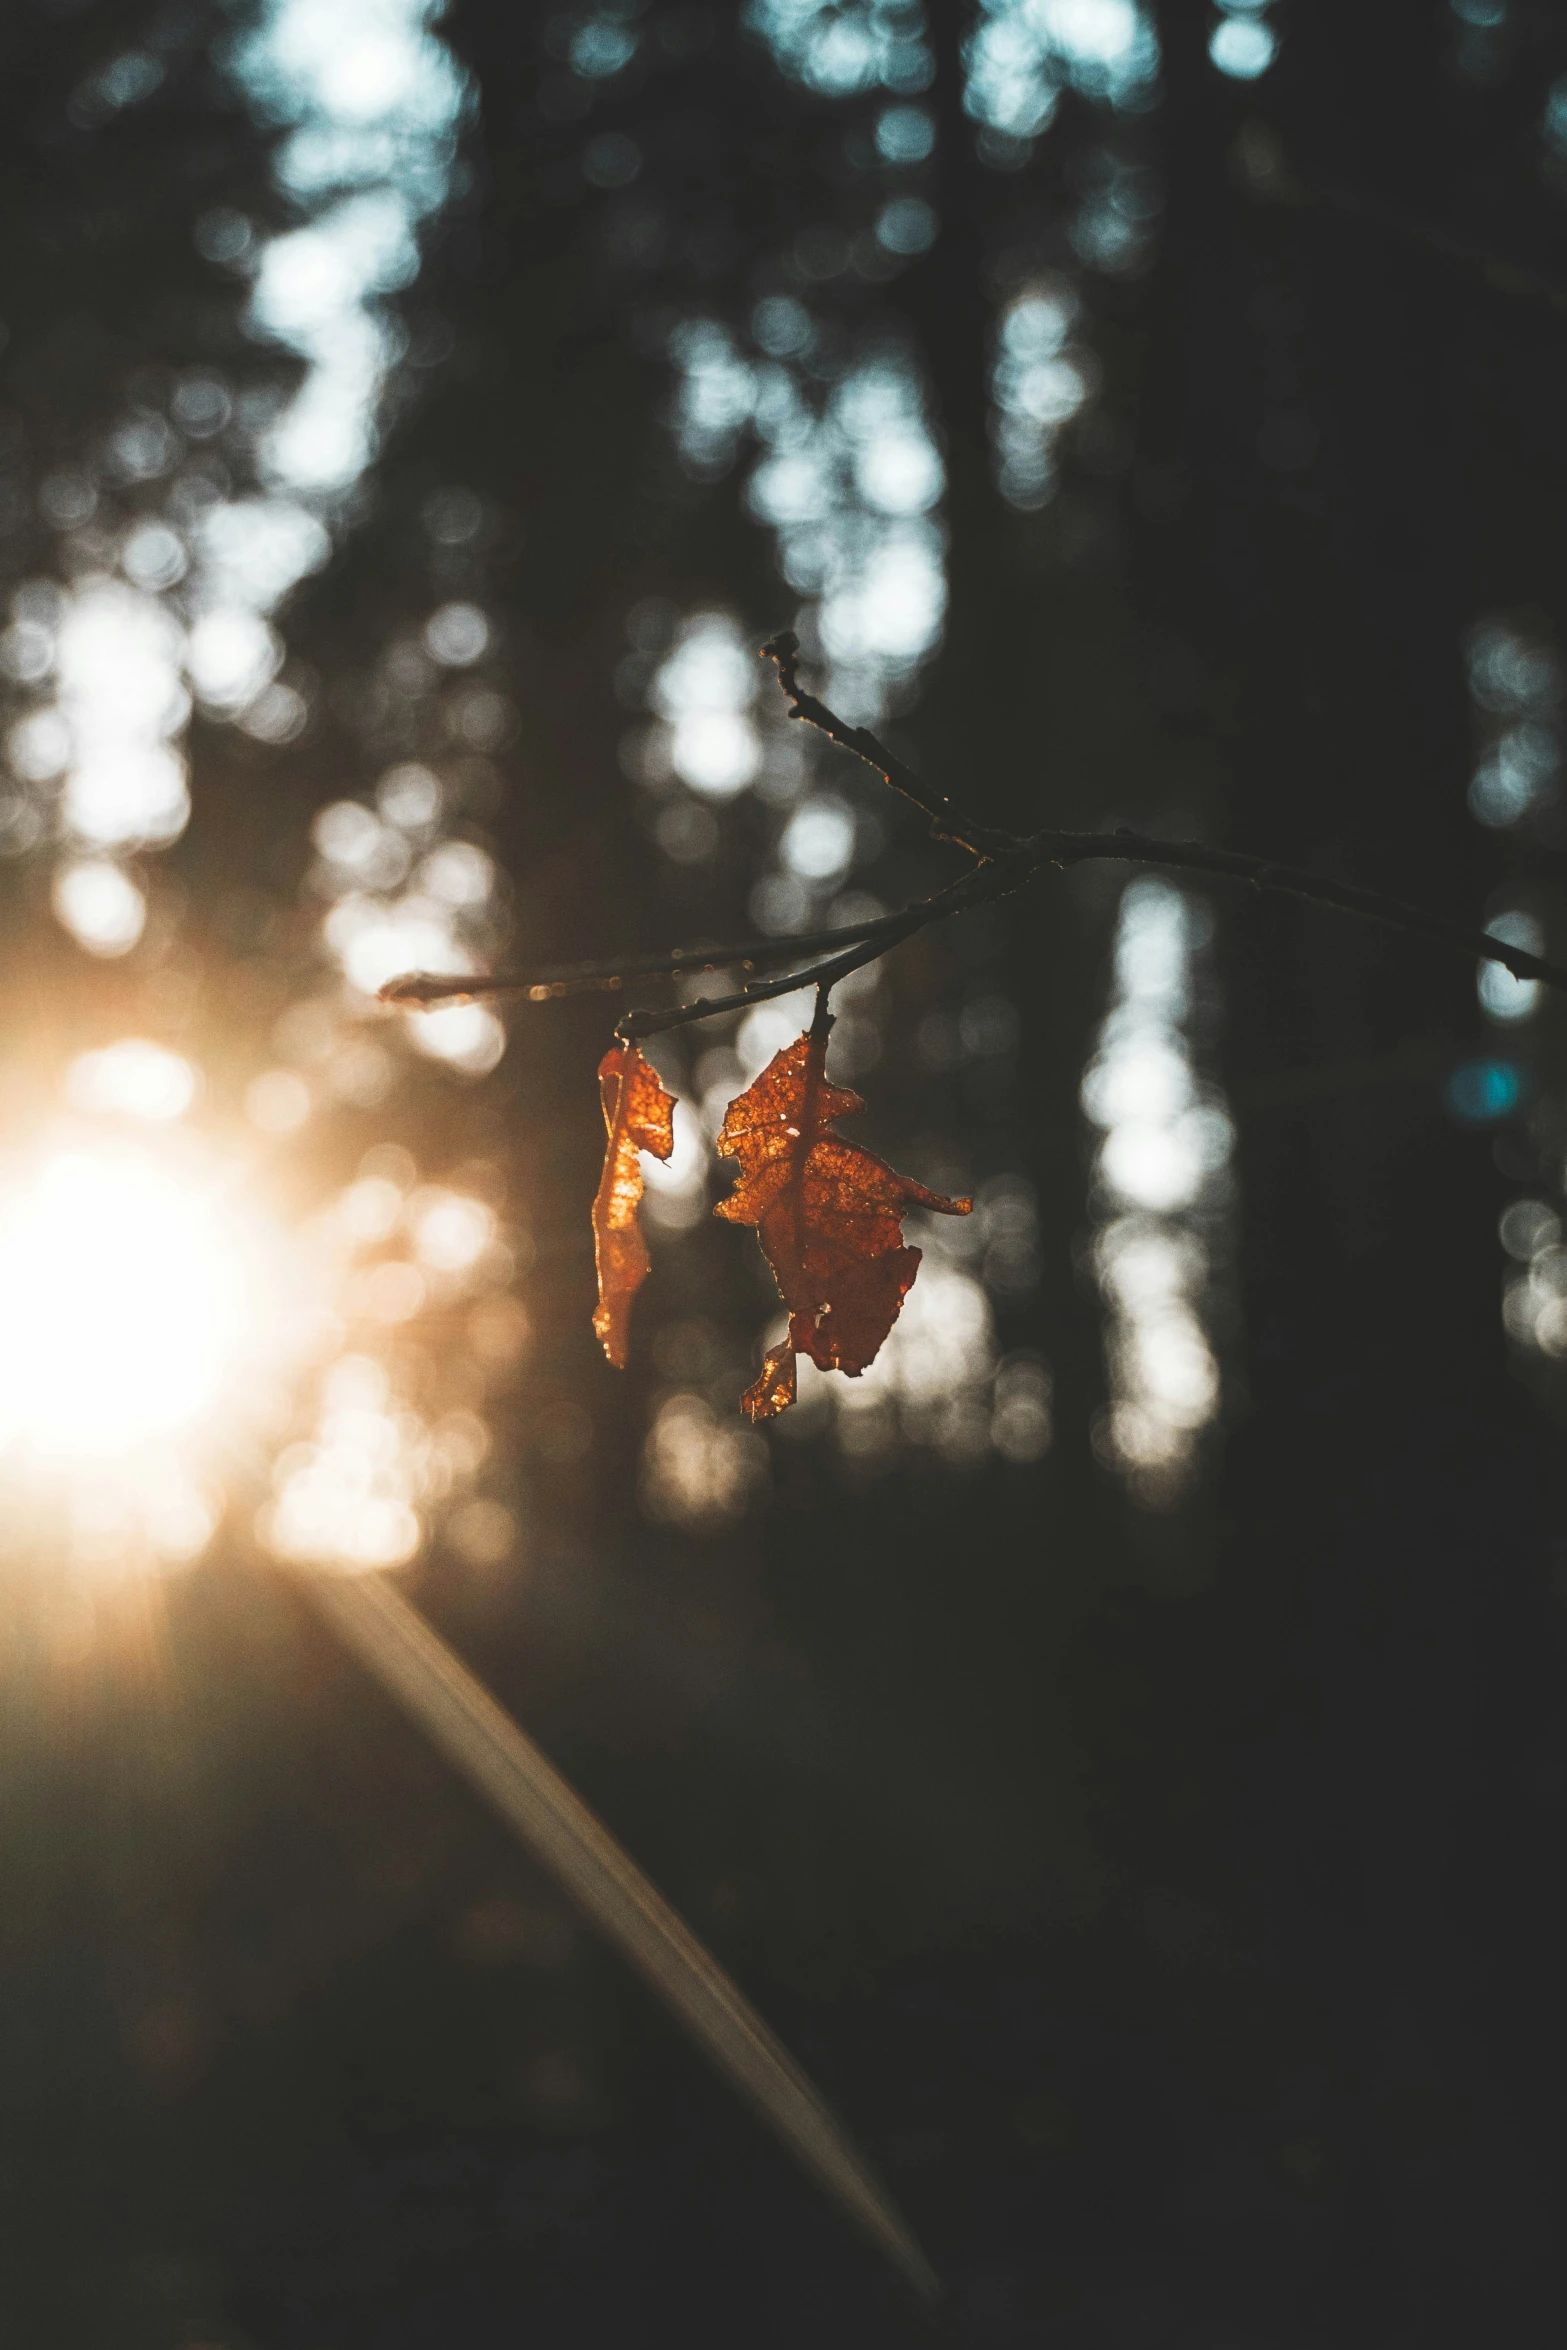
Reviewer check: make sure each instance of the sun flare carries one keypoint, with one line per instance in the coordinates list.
(170, 1347)
(143, 1310)
(125, 1302)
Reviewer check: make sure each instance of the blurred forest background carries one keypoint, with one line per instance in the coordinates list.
(1120, 1743)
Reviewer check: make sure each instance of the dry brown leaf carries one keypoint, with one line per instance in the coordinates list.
(638, 1116)
(828, 1215)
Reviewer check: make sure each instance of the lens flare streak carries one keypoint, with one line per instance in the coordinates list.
(508, 1770)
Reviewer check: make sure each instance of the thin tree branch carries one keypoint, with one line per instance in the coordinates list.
(981, 840)
(1005, 861)
(1013, 858)
(420, 988)
(822, 975)
(1295, 881)
(972, 889)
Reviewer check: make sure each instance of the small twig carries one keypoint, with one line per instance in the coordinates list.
(563, 979)
(975, 889)
(1006, 861)
(1319, 889)
(981, 840)
(420, 988)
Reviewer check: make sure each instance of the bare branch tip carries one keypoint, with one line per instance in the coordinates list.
(419, 987)
(782, 648)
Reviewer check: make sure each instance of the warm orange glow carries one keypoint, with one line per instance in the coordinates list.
(127, 1300)
(142, 1315)
(162, 1338)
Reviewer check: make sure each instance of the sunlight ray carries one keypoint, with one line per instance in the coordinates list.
(414, 1664)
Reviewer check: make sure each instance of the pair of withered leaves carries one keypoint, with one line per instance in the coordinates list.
(827, 1213)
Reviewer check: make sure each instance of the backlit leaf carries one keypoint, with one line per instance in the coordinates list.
(638, 1116)
(828, 1215)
